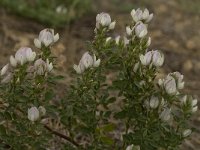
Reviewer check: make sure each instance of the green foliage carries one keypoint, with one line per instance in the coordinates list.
(55, 13)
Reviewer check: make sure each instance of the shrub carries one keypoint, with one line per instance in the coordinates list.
(115, 101)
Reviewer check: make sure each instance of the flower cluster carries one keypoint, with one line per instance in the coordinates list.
(152, 57)
(172, 83)
(46, 38)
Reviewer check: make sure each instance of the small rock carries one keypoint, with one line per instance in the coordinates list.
(190, 44)
(187, 66)
(174, 44)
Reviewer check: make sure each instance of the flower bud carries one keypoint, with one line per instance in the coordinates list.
(194, 102)
(146, 16)
(96, 62)
(154, 102)
(37, 43)
(129, 30)
(157, 59)
(126, 41)
(130, 147)
(165, 114)
(186, 132)
(49, 66)
(170, 85)
(108, 39)
(141, 30)
(194, 109)
(117, 40)
(40, 67)
(33, 114)
(179, 79)
(146, 59)
(42, 110)
(79, 68)
(183, 100)
(13, 61)
(30, 56)
(112, 25)
(149, 42)
(4, 69)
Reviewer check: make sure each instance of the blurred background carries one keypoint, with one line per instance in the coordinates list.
(175, 30)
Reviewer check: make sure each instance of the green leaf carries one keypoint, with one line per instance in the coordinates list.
(107, 140)
(108, 128)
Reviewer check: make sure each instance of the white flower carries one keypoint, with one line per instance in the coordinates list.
(117, 40)
(4, 69)
(96, 62)
(146, 59)
(46, 37)
(170, 85)
(149, 42)
(49, 65)
(87, 61)
(79, 68)
(130, 147)
(33, 114)
(108, 39)
(194, 109)
(146, 16)
(129, 30)
(158, 58)
(154, 102)
(37, 43)
(155, 57)
(103, 19)
(194, 102)
(61, 9)
(42, 110)
(13, 61)
(126, 41)
(30, 56)
(20, 56)
(183, 100)
(40, 66)
(141, 30)
(24, 54)
(179, 79)
(139, 15)
(186, 132)
(112, 25)
(165, 114)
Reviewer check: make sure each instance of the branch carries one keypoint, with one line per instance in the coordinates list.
(62, 136)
